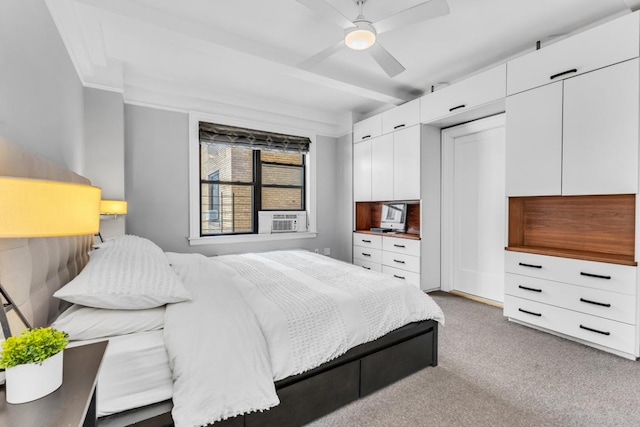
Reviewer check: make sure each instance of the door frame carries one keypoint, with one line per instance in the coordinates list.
(446, 230)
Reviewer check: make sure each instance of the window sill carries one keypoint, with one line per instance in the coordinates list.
(248, 238)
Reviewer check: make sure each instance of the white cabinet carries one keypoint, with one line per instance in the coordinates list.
(367, 128)
(575, 137)
(600, 131)
(382, 163)
(401, 117)
(590, 301)
(467, 94)
(362, 171)
(613, 42)
(406, 164)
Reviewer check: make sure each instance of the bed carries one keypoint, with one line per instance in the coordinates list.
(359, 364)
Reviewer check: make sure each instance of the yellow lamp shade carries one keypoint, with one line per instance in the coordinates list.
(38, 208)
(113, 207)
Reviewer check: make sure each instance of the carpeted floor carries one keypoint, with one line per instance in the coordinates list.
(493, 372)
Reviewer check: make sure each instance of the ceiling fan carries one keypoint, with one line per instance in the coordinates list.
(361, 33)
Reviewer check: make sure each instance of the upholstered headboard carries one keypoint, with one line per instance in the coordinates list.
(31, 270)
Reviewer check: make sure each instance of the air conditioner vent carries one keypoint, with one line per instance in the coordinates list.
(282, 222)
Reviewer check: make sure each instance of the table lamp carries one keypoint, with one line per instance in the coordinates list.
(40, 208)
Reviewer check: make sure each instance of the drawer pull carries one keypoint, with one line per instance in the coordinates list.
(366, 268)
(366, 136)
(366, 241)
(597, 276)
(366, 254)
(529, 265)
(586, 328)
(399, 261)
(399, 126)
(602, 304)
(529, 289)
(399, 277)
(530, 312)
(458, 107)
(573, 70)
(398, 246)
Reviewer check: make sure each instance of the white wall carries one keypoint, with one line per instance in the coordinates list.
(41, 105)
(344, 198)
(157, 188)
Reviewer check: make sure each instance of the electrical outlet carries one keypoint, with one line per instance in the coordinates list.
(316, 250)
(327, 251)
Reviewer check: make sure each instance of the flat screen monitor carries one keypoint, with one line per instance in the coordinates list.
(394, 216)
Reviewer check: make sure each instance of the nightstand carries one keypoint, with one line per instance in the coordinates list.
(73, 404)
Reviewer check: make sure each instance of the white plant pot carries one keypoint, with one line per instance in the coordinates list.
(34, 380)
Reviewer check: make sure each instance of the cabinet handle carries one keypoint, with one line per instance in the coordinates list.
(594, 330)
(366, 254)
(597, 276)
(398, 261)
(366, 136)
(399, 277)
(399, 126)
(458, 107)
(366, 241)
(529, 289)
(366, 268)
(530, 312)
(573, 70)
(398, 246)
(529, 265)
(595, 302)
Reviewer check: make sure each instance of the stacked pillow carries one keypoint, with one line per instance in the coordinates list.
(128, 273)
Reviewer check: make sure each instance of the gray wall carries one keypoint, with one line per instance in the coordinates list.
(344, 198)
(41, 105)
(157, 187)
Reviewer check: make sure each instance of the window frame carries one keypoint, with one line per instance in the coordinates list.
(309, 171)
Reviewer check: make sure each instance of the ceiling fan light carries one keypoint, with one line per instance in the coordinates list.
(360, 38)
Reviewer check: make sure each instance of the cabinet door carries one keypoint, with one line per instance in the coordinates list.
(367, 128)
(382, 167)
(406, 164)
(600, 143)
(362, 171)
(403, 116)
(534, 142)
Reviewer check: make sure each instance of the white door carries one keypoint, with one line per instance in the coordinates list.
(474, 208)
(382, 167)
(362, 171)
(406, 164)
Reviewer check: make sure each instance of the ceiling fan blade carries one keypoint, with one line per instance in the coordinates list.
(388, 63)
(422, 12)
(328, 11)
(320, 56)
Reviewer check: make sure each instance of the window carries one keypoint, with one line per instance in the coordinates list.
(243, 171)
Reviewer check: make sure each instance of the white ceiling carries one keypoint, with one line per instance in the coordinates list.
(234, 57)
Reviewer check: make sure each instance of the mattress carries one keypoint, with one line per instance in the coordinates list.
(135, 372)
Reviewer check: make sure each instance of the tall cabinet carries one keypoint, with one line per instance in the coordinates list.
(572, 181)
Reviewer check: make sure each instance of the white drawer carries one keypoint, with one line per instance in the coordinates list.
(401, 261)
(410, 277)
(401, 246)
(472, 92)
(368, 265)
(367, 128)
(367, 240)
(596, 302)
(605, 332)
(367, 254)
(598, 275)
(401, 117)
(598, 47)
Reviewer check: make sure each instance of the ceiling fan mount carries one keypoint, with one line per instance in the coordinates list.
(362, 34)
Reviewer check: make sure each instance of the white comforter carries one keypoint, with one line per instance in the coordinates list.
(257, 318)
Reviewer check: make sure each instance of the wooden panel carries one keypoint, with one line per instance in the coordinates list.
(413, 218)
(589, 225)
(368, 215)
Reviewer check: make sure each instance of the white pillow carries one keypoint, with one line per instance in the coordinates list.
(126, 278)
(85, 323)
(129, 241)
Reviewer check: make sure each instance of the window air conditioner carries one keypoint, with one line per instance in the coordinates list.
(282, 222)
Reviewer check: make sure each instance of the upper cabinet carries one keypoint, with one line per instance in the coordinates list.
(610, 43)
(401, 117)
(467, 94)
(367, 128)
(362, 171)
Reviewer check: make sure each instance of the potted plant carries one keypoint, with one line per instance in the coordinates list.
(33, 363)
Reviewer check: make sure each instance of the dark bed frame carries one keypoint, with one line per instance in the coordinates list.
(357, 373)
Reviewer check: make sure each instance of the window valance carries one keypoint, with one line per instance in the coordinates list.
(232, 135)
